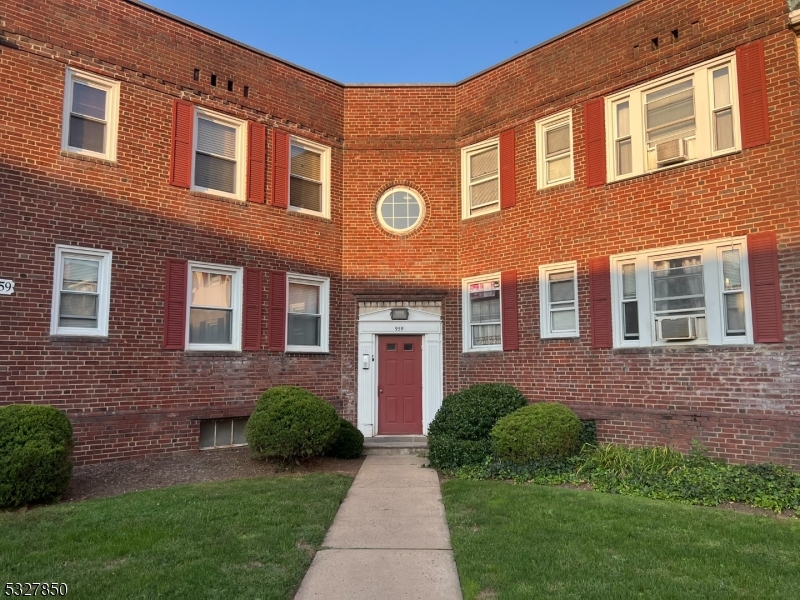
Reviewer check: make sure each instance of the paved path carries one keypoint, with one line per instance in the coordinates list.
(389, 539)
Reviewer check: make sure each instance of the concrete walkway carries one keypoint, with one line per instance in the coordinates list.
(389, 539)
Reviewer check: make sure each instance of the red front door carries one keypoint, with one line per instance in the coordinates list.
(400, 385)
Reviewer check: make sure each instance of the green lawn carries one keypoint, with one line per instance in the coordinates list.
(249, 538)
(529, 541)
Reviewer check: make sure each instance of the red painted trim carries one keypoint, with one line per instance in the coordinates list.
(175, 304)
(256, 161)
(752, 82)
(765, 289)
(508, 181)
(600, 302)
(180, 160)
(594, 125)
(251, 320)
(277, 311)
(508, 299)
(280, 168)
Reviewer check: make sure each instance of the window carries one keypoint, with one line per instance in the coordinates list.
(690, 294)
(480, 185)
(558, 295)
(482, 313)
(554, 150)
(307, 314)
(309, 178)
(81, 292)
(400, 210)
(686, 116)
(218, 165)
(91, 108)
(214, 308)
(222, 433)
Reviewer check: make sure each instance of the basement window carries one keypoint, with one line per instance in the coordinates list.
(222, 433)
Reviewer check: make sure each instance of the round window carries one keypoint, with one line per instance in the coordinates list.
(400, 210)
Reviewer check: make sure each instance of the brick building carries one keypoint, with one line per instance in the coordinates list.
(610, 220)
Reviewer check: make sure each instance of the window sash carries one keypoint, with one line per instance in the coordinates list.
(558, 298)
(713, 130)
(90, 115)
(482, 313)
(480, 180)
(309, 175)
(218, 154)
(554, 149)
(213, 307)
(723, 310)
(307, 313)
(81, 292)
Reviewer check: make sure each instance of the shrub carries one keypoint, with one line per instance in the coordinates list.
(460, 432)
(448, 453)
(291, 423)
(349, 441)
(545, 429)
(35, 454)
(588, 433)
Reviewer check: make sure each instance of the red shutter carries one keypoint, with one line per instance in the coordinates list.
(752, 94)
(765, 290)
(594, 125)
(251, 320)
(256, 161)
(280, 168)
(508, 297)
(508, 184)
(600, 302)
(180, 162)
(175, 305)
(277, 310)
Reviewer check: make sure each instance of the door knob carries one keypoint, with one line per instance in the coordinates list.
(380, 391)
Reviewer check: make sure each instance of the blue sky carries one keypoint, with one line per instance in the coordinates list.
(416, 41)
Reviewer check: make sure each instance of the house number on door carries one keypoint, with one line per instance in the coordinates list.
(398, 329)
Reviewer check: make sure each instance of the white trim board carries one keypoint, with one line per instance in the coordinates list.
(420, 322)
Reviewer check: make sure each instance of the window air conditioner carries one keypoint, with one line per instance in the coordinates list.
(677, 328)
(670, 152)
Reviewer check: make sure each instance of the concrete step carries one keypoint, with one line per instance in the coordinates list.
(396, 445)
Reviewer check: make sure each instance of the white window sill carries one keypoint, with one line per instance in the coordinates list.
(573, 335)
(673, 166)
(305, 350)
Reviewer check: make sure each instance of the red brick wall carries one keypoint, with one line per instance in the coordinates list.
(127, 396)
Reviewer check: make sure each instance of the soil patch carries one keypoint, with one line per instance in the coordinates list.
(113, 478)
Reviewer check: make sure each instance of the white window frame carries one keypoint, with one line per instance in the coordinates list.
(103, 290)
(236, 305)
(325, 173)
(111, 88)
(324, 285)
(703, 142)
(713, 290)
(466, 308)
(410, 192)
(545, 307)
(542, 127)
(466, 153)
(241, 152)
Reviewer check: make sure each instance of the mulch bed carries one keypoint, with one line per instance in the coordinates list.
(119, 477)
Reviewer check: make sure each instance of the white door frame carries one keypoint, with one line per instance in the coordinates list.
(428, 324)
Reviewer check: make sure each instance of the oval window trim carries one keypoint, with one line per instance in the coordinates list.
(410, 226)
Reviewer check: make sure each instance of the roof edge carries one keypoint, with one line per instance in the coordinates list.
(218, 35)
(550, 41)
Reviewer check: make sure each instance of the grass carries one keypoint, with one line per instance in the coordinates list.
(529, 541)
(251, 538)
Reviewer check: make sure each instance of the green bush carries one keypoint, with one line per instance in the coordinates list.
(35, 454)
(349, 441)
(544, 429)
(588, 433)
(448, 453)
(291, 423)
(460, 432)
